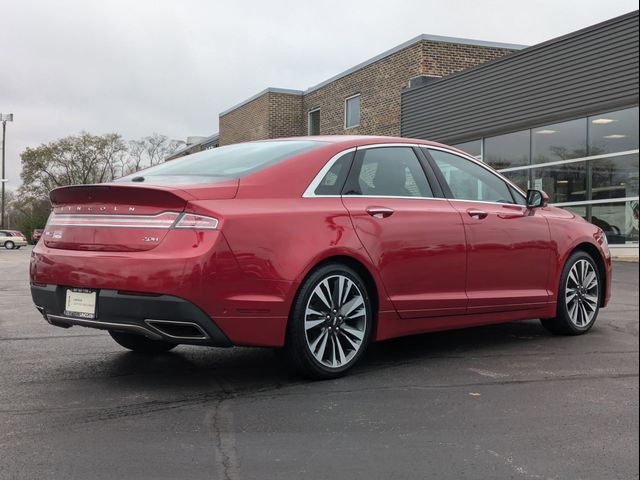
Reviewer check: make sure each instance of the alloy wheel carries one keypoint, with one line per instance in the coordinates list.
(335, 321)
(582, 293)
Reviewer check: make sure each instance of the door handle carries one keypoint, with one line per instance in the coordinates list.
(475, 213)
(380, 212)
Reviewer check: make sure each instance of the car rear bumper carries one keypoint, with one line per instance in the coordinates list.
(197, 268)
(158, 317)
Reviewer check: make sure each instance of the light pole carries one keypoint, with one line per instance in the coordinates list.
(4, 117)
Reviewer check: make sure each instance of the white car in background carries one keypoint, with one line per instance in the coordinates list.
(11, 239)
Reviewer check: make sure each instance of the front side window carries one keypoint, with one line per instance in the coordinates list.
(469, 181)
(390, 172)
(352, 111)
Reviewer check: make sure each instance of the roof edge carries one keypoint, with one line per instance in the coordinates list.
(380, 56)
(525, 51)
(420, 38)
(287, 91)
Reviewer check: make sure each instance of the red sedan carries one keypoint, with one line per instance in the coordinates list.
(319, 245)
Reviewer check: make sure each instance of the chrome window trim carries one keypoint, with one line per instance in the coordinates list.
(309, 192)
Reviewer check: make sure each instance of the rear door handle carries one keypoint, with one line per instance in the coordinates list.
(475, 213)
(380, 212)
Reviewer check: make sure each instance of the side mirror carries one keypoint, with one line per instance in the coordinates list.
(537, 199)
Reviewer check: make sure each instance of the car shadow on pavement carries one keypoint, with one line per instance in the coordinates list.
(247, 368)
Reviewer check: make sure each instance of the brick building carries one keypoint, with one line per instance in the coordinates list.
(364, 100)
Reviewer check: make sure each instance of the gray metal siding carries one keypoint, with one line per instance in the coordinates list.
(588, 71)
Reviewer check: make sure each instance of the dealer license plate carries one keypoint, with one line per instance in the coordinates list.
(81, 303)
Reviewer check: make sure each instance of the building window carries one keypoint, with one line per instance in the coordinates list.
(352, 111)
(587, 165)
(507, 151)
(473, 148)
(613, 132)
(313, 122)
(560, 141)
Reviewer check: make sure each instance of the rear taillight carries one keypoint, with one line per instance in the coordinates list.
(162, 220)
(196, 222)
(165, 220)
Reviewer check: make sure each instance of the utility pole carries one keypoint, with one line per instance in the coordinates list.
(4, 117)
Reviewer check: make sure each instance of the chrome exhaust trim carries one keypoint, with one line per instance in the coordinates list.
(67, 322)
(159, 324)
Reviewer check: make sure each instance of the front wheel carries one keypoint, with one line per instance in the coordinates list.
(330, 322)
(579, 297)
(9, 245)
(141, 344)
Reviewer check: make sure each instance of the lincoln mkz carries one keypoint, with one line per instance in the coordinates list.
(315, 245)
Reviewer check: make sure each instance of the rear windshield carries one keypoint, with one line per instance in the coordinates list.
(232, 161)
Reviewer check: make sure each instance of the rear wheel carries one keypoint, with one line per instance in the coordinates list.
(9, 245)
(330, 323)
(579, 297)
(141, 344)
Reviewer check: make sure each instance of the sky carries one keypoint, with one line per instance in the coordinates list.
(139, 66)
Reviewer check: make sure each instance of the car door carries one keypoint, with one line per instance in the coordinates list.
(508, 245)
(415, 239)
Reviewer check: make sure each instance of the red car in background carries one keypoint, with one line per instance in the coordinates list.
(36, 235)
(319, 245)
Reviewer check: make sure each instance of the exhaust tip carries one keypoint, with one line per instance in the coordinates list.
(178, 330)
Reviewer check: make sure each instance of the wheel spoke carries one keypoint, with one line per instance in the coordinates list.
(585, 315)
(320, 294)
(341, 355)
(591, 300)
(570, 295)
(314, 344)
(352, 331)
(572, 276)
(323, 346)
(309, 324)
(354, 345)
(351, 305)
(591, 280)
(573, 312)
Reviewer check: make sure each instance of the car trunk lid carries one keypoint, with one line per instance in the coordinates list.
(119, 218)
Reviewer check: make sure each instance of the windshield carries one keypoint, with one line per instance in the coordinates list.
(232, 161)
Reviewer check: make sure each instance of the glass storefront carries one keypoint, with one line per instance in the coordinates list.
(587, 165)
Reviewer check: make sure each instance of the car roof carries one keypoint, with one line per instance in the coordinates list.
(355, 140)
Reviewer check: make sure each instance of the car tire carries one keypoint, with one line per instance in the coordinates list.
(579, 297)
(330, 323)
(9, 245)
(141, 344)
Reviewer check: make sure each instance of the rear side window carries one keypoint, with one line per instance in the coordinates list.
(333, 181)
(232, 161)
(389, 172)
(469, 181)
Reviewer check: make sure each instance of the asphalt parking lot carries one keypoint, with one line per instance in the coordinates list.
(506, 401)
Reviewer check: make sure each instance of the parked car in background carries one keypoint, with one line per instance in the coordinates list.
(11, 239)
(36, 234)
(319, 245)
